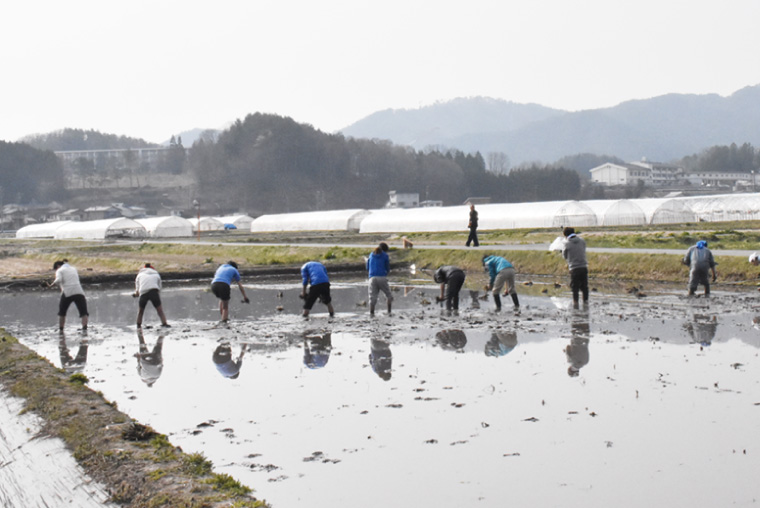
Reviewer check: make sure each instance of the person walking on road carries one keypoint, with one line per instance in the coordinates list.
(473, 226)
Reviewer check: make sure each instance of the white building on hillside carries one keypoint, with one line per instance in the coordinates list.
(651, 173)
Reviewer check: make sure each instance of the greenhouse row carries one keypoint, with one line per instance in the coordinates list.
(170, 226)
(548, 214)
(552, 214)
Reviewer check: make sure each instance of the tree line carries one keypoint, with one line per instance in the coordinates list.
(28, 175)
(724, 158)
(269, 163)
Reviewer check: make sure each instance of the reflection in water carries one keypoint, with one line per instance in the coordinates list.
(316, 349)
(451, 339)
(226, 366)
(76, 364)
(149, 363)
(577, 351)
(501, 343)
(702, 328)
(380, 358)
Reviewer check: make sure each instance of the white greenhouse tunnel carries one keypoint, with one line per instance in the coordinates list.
(242, 222)
(42, 230)
(206, 224)
(170, 226)
(332, 220)
(101, 229)
(548, 214)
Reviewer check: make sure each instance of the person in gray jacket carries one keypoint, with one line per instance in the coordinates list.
(700, 261)
(574, 253)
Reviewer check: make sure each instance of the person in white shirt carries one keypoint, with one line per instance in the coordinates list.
(147, 287)
(67, 279)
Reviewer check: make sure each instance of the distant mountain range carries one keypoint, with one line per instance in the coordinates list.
(663, 128)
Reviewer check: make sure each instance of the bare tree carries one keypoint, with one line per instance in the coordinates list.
(498, 163)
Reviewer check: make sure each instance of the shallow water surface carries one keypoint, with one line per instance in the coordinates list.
(630, 402)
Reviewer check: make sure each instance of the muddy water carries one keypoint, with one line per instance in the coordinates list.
(634, 401)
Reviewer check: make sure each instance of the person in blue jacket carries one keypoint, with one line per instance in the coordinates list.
(221, 285)
(378, 266)
(501, 272)
(314, 276)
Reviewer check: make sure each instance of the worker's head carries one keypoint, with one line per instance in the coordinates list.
(148, 265)
(568, 231)
(439, 276)
(754, 258)
(701, 244)
(58, 264)
(232, 264)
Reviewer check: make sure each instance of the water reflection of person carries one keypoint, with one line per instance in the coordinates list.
(77, 363)
(501, 343)
(149, 363)
(577, 351)
(702, 328)
(451, 339)
(224, 362)
(316, 349)
(380, 358)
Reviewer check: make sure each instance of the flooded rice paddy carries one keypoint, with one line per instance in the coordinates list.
(636, 400)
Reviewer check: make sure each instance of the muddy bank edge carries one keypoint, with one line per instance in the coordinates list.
(139, 467)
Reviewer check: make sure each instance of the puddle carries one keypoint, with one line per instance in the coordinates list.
(634, 401)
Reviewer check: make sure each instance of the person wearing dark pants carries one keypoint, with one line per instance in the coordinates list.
(148, 288)
(574, 253)
(314, 276)
(67, 278)
(700, 261)
(473, 226)
(225, 275)
(451, 279)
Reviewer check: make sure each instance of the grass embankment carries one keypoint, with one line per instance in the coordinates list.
(139, 467)
(34, 259)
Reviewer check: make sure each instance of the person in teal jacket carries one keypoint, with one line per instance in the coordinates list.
(500, 272)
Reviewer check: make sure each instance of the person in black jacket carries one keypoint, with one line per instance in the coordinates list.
(473, 225)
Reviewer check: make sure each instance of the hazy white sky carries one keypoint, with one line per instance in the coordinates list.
(150, 69)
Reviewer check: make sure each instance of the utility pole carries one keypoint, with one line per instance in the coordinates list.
(197, 205)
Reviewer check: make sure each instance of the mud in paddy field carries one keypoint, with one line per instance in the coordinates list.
(637, 400)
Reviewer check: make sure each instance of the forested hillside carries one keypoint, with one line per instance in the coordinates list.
(29, 175)
(79, 139)
(267, 163)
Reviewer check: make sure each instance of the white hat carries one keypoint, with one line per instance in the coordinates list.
(754, 257)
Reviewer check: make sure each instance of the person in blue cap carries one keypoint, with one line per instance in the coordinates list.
(501, 272)
(314, 276)
(700, 261)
